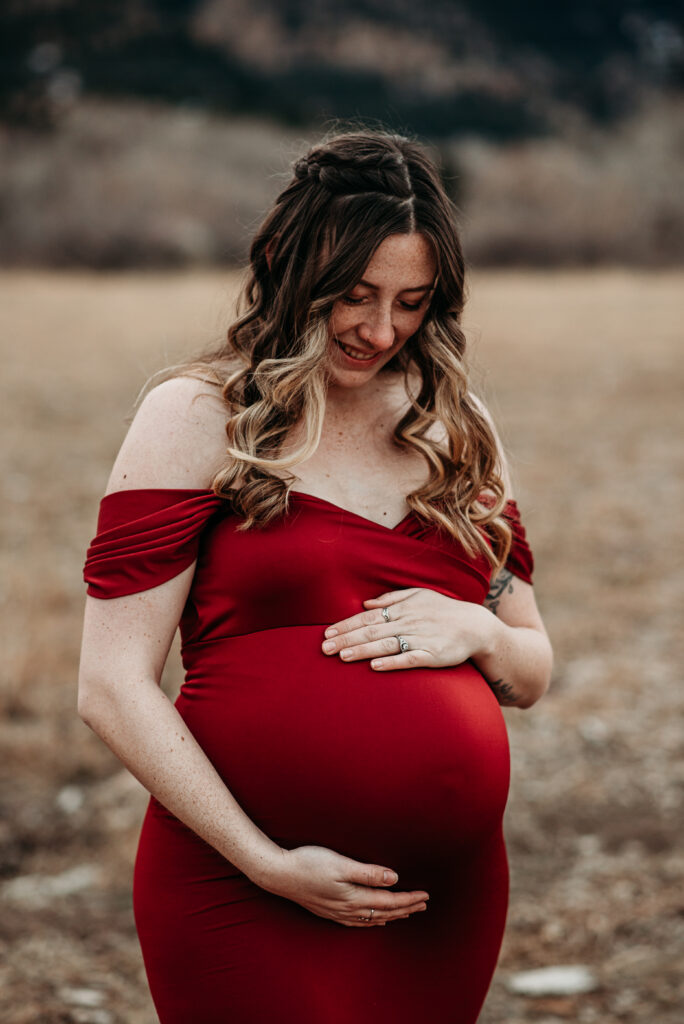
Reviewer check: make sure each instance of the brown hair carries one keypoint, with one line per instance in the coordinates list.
(348, 194)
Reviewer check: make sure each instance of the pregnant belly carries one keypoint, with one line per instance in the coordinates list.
(406, 765)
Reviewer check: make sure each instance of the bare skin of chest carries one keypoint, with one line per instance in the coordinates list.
(357, 466)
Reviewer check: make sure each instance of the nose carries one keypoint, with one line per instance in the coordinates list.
(378, 331)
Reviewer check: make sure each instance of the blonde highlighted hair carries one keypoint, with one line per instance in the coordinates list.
(346, 195)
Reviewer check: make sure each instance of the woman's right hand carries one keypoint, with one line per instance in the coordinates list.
(341, 889)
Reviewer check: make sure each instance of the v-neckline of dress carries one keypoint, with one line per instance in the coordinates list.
(348, 512)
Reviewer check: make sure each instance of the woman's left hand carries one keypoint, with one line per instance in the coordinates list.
(439, 631)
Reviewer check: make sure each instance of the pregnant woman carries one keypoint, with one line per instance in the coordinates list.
(323, 505)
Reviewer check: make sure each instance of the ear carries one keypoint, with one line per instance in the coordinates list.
(268, 252)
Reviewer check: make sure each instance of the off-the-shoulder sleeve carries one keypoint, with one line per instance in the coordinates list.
(144, 538)
(520, 560)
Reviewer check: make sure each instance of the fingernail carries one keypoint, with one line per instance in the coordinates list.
(390, 877)
(345, 654)
(329, 646)
(330, 631)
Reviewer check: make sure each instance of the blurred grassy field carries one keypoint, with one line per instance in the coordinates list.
(584, 374)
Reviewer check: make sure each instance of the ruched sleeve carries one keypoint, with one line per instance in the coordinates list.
(520, 560)
(145, 537)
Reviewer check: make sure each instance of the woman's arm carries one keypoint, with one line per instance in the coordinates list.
(125, 644)
(516, 656)
(175, 442)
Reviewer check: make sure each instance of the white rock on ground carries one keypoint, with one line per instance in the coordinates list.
(569, 980)
(36, 891)
(82, 996)
(70, 799)
(97, 1016)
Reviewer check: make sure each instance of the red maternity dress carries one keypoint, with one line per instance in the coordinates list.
(407, 769)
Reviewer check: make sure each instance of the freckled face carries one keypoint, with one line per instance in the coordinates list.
(374, 320)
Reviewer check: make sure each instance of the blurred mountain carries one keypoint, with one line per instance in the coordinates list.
(496, 69)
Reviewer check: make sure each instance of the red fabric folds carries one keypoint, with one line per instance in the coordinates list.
(147, 536)
(520, 560)
(144, 538)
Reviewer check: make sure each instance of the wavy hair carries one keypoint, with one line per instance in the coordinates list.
(346, 196)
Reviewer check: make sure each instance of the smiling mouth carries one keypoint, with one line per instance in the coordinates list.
(356, 353)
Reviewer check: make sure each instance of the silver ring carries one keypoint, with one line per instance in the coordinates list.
(385, 614)
(403, 645)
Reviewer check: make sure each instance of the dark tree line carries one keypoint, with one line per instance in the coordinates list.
(591, 54)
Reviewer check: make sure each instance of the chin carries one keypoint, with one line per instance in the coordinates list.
(351, 380)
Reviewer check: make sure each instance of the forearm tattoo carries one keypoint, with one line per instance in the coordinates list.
(504, 692)
(500, 585)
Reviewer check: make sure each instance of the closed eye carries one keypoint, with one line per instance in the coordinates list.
(349, 300)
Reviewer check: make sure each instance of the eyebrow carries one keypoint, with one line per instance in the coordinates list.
(417, 288)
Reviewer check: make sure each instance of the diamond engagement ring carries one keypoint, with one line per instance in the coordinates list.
(370, 918)
(385, 614)
(403, 645)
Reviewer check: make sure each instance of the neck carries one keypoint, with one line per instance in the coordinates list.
(354, 400)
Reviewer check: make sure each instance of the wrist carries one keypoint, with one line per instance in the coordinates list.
(269, 867)
(491, 636)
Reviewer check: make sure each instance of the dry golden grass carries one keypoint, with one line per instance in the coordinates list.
(583, 372)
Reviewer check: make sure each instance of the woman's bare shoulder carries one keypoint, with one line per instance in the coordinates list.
(177, 438)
